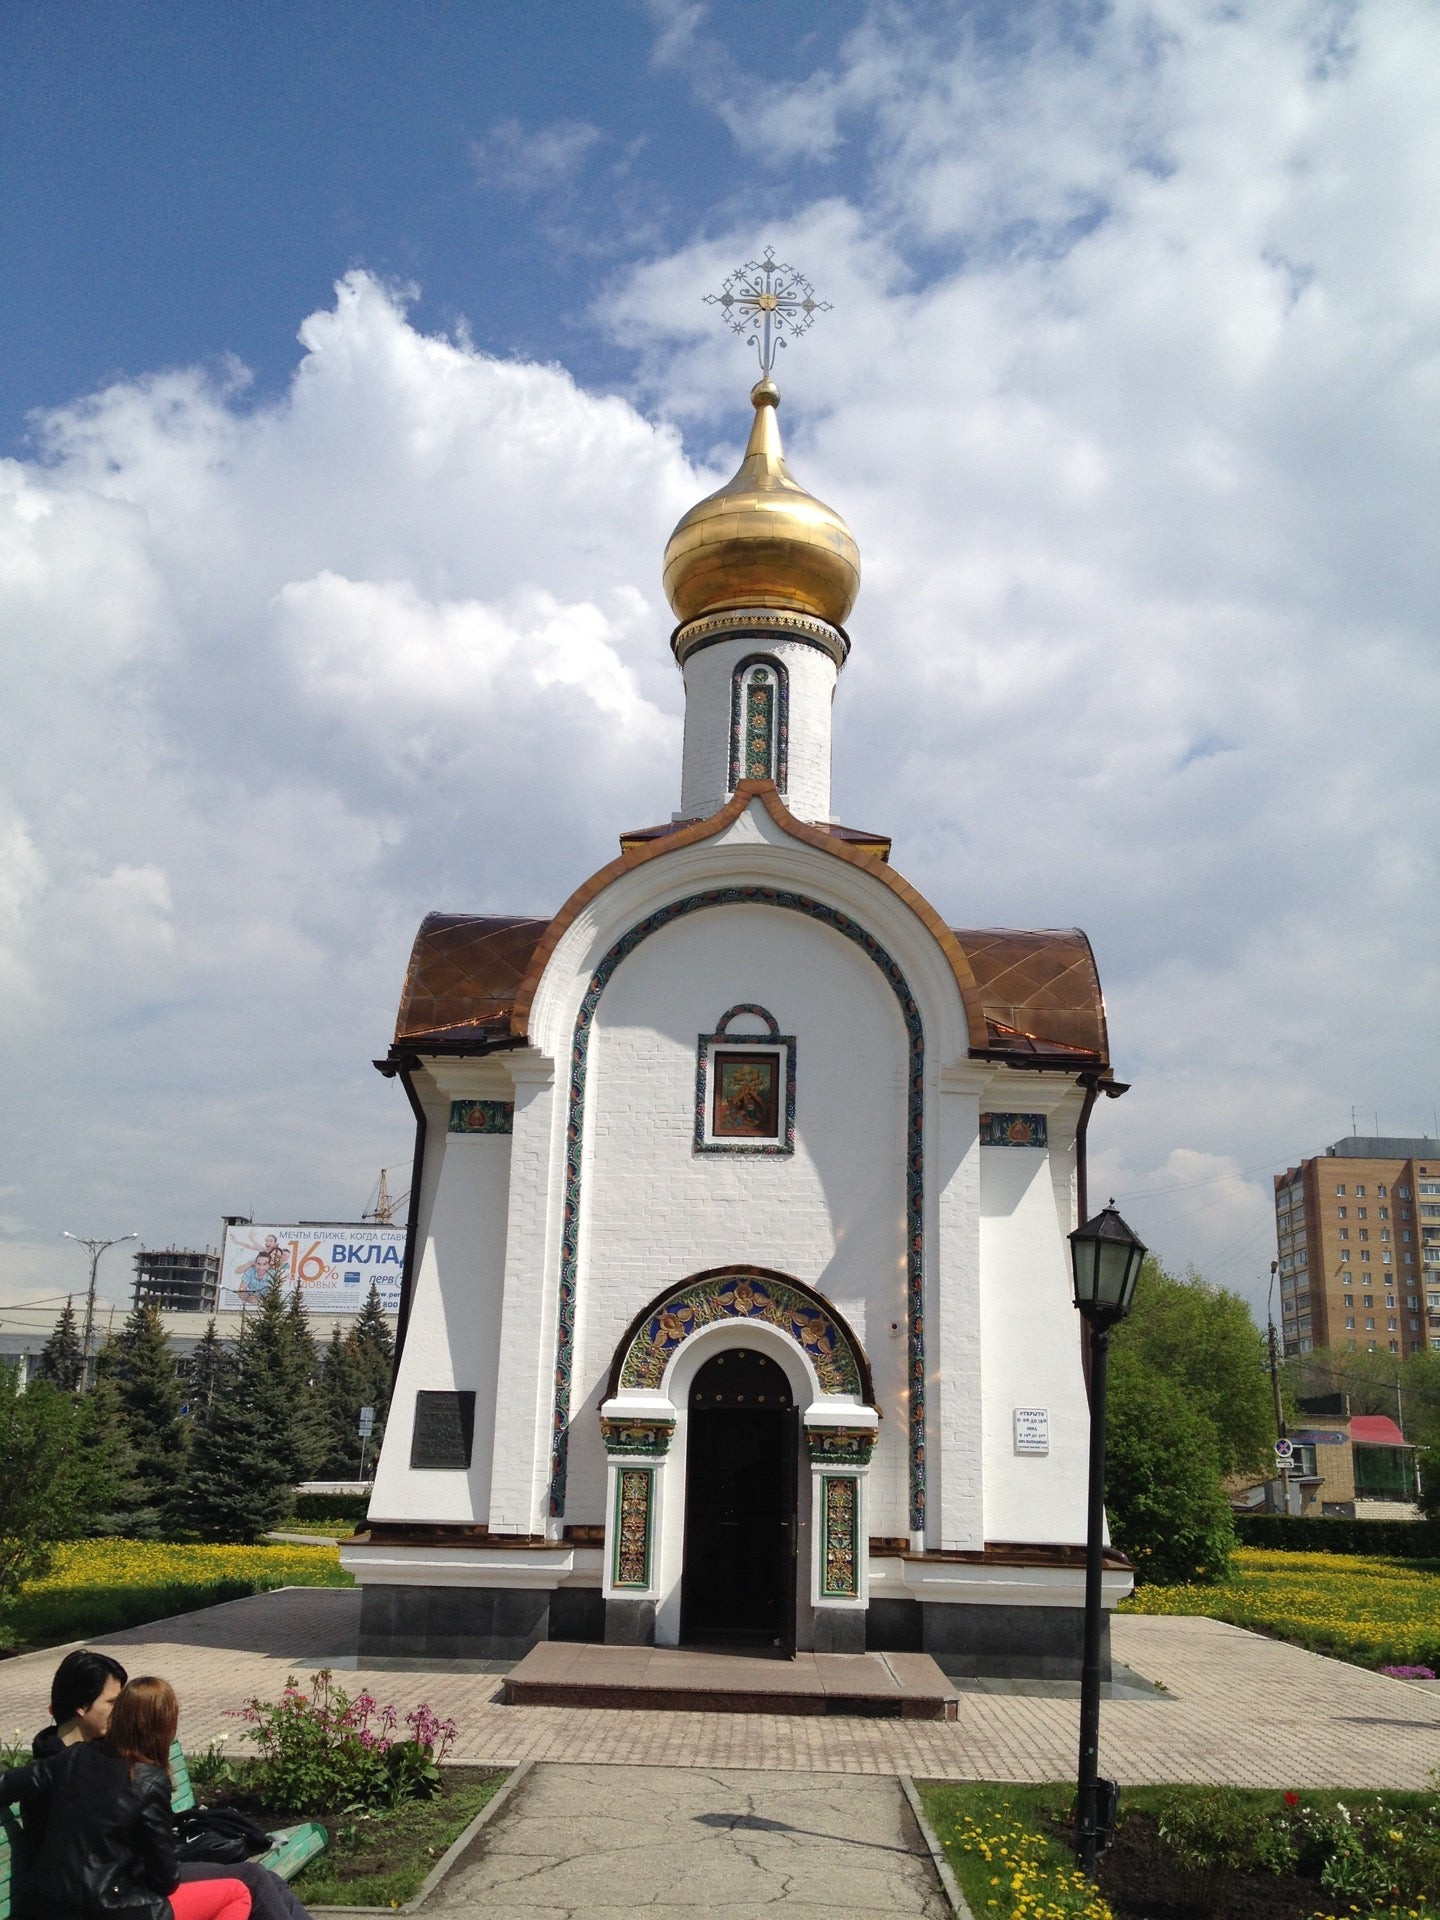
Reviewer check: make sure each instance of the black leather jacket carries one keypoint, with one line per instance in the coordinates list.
(109, 1845)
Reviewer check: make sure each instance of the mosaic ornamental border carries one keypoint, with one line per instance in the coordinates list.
(778, 750)
(740, 1297)
(482, 1116)
(840, 923)
(839, 1509)
(1014, 1130)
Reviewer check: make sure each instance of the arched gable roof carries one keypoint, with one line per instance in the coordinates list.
(1030, 998)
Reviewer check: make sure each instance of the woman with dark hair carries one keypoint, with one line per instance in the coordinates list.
(109, 1845)
(82, 1697)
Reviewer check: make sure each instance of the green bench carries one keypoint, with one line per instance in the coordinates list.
(294, 1846)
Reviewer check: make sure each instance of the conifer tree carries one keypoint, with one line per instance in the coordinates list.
(114, 1497)
(138, 1363)
(62, 1361)
(240, 1479)
(208, 1365)
(356, 1373)
(311, 1436)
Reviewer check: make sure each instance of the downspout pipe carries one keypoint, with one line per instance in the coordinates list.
(406, 1073)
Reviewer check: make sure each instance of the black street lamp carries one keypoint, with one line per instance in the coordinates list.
(1105, 1259)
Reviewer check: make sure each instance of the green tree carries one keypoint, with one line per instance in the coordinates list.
(1167, 1509)
(356, 1373)
(139, 1365)
(62, 1360)
(44, 1492)
(302, 1360)
(115, 1498)
(241, 1470)
(1204, 1340)
(208, 1365)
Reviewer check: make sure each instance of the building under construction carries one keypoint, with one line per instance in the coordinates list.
(177, 1281)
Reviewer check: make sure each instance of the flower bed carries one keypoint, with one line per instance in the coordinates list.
(1194, 1853)
(1373, 1611)
(102, 1586)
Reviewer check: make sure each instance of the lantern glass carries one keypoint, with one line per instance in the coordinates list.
(1105, 1258)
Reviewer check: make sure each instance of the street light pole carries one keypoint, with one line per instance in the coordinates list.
(94, 1248)
(1105, 1259)
(1275, 1388)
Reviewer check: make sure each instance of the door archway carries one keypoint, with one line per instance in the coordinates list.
(738, 1579)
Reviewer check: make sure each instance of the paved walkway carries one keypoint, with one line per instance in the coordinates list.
(1237, 1708)
(605, 1842)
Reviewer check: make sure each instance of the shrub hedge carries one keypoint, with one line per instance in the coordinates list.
(1330, 1533)
(331, 1506)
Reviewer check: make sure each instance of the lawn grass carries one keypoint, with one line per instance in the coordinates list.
(383, 1861)
(1015, 1810)
(103, 1586)
(1364, 1608)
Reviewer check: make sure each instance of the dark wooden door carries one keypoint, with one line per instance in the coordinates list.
(738, 1585)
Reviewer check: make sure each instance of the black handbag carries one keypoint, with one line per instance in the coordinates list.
(219, 1836)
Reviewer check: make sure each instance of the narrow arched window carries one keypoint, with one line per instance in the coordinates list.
(759, 725)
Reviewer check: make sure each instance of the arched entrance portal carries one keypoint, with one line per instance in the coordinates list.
(738, 1585)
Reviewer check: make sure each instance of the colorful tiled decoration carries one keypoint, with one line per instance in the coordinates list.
(634, 1487)
(849, 929)
(840, 1446)
(739, 1296)
(650, 1437)
(760, 720)
(839, 1574)
(482, 1116)
(1013, 1130)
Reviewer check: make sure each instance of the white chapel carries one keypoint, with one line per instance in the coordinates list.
(737, 1300)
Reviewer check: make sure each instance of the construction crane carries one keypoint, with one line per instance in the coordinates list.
(383, 1204)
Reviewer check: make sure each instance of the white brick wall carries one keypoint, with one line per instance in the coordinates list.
(705, 785)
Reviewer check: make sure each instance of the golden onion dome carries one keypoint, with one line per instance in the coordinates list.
(762, 540)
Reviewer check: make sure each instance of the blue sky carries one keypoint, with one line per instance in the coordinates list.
(354, 368)
(184, 181)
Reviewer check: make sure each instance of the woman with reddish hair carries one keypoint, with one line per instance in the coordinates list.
(109, 1845)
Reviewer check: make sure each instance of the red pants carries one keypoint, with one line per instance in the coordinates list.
(211, 1900)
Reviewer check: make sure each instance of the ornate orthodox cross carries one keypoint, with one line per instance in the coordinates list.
(770, 301)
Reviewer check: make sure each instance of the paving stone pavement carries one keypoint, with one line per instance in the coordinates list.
(605, 1842)
(1237, 1708)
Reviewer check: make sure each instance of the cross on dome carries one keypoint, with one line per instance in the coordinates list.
(772, 298)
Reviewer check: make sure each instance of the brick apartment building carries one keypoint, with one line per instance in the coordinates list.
(1358, 1234)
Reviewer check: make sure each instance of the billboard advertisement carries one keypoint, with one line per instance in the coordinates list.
(333, 1264)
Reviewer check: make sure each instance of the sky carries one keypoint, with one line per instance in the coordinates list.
(354, 368)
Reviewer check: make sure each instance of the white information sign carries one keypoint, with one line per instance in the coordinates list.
(1032, 1429)
(334, 1265)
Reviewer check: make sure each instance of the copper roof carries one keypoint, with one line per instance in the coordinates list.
(463, 974)
(1040, 991)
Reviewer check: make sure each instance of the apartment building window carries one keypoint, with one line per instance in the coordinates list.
(1412, 1301)
(1341, 1191)
(1350, 1322)
(1365, 1253)
(1369, 1326)
(1364, 1233)
(1384, 1256)
(1402, 1192)
(1381, 1191)
(1414, 1326)
(1369, 1300)
(1344, 1233)
(1435, 1341)
(1394, 1346)
(1384, 1213)
(1362, 1213)
(1345, 1255)
(1405, 1233)
(1359, 1191)
(1342, 1213)
(1391, 1324)
(1349, 1299)
(1432, 1300)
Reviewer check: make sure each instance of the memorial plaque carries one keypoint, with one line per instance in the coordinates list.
(444, 1430)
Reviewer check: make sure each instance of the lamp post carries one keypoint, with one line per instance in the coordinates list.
(1105, 1259)
(94, 1248)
